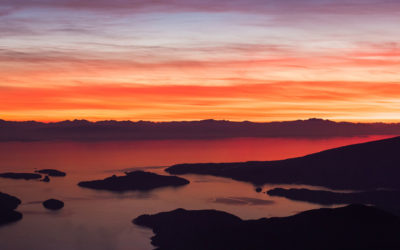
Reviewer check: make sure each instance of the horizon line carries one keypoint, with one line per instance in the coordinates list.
(211, 119)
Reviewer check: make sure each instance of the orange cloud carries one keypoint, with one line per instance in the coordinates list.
(195, 66)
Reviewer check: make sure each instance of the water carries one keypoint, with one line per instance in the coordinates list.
(94, 219)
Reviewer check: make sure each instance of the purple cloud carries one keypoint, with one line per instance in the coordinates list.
(252, 6)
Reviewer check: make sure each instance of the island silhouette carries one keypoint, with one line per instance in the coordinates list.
(135, 180)
(18, 176)
(351, 227)
(369, 165)
(8, 204)
(387, 199)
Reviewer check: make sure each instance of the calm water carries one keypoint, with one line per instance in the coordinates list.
(102, 220)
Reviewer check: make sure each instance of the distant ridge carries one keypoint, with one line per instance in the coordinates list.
(83, 130)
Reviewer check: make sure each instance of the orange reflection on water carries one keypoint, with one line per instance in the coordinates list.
(99, 156)
(92, 219)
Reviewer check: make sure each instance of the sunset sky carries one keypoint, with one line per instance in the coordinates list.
(160, 60)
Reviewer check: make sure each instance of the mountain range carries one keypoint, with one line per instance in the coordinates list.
(83, 130)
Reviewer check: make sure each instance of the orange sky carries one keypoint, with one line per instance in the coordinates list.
(188, 60)
(257, 102)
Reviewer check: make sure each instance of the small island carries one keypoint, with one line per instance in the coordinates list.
(53, 204)
(386, 199)
(19, 176)
(350, 227)
(136, 180)
(52, 172)
(8, 204)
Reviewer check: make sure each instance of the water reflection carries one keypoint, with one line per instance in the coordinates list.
(93, 219)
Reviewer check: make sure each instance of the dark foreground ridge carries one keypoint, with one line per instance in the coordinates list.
(7, 205)
(24, 176)
(352, 227)
(136, 180)
(386, 199)
(52, 172)
(82, 130)
(368, 165)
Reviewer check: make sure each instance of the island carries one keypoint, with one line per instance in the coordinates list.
(361, 166)
(53, 204)
(136, 180)
(18, 176)
(52, 172)
(8, 204)
(387, 199)
(351, 227)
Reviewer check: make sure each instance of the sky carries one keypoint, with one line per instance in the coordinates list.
(162, 60)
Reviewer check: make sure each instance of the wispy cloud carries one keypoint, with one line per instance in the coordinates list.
(271, 6)
(213, 65)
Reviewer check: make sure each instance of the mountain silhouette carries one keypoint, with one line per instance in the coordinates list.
(368, 165)
(355, 227)
(82, 130)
